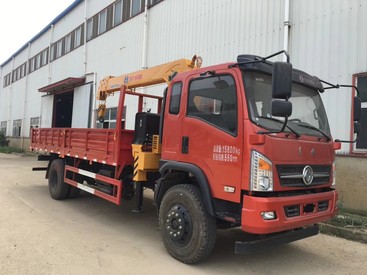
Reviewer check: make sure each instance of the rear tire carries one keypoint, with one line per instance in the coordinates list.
(58, 188)
(188, 231)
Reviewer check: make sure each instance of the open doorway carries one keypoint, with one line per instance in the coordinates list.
(63, 110)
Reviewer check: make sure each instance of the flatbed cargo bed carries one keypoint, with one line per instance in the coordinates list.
(95, 145)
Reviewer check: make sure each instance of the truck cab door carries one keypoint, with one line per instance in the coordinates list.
(212, 131)
(171, 122)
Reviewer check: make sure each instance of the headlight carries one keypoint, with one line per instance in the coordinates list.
(334, 175)
(261, 173)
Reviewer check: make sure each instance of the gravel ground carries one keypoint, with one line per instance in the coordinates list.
(87, 235)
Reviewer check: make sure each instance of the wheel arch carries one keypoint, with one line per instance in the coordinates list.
(163, 185)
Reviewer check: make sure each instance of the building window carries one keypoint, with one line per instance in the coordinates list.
(135, 7)
(59, 48)
(212, 104)
(38, 61)
(78, 37)
(20, 73)
(3, 127)
(53, 52)
(14, 76)
(126, 4)
(17, 127)
(90, 29)
(92, 26)
(9, 79)
(174, 106)
(117, 13)
(153, 2)
(102, 21)
(361, 83)
(6, 80)
(68, 43)
(44, 57)
(35, 122)
(17, 74)
(31, 65)
(65, 45)
(23, 70)
(110, 118)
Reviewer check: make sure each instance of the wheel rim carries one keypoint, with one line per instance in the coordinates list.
(178, 225)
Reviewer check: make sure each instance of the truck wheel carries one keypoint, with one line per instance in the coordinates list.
(188, 231)
(58, 188)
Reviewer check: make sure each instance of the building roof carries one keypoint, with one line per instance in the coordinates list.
(62, 85)
(45, 29)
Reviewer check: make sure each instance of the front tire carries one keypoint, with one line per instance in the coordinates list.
(188, 231)
(58, 188)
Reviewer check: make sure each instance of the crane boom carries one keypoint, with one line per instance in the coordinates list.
(155, 75)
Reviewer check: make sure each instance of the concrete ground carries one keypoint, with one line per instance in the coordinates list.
(87, 235)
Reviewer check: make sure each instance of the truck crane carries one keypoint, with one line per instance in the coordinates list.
(242, 144)
(143, 78)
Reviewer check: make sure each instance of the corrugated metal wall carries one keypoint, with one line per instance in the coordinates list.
(218, 30)
(329, 39)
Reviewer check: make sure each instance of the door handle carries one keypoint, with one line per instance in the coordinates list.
(185, 145)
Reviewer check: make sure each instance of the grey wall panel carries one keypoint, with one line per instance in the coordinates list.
(328, 39)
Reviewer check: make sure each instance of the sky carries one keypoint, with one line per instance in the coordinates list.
(21, 20)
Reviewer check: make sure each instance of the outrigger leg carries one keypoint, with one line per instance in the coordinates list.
(138, 196)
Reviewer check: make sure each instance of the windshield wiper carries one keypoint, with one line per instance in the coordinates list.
(277, 120)
(309, 126)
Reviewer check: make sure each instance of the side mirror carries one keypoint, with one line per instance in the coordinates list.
(357, 109)
(282, 80)
(281, 108)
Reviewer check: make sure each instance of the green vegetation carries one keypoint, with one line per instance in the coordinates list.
(4, 146)
(9, 150)
(347, 220)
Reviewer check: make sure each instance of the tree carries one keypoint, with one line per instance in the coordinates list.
(3, 141)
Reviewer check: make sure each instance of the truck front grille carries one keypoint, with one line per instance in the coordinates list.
(292, 211)
(304, 209)
(292, 175)
(323, 205)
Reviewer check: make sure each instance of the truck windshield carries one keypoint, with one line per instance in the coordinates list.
(308, 113)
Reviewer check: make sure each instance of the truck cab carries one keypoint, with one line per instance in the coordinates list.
(253, 168)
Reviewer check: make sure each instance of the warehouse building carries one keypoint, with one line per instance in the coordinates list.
(52, 80)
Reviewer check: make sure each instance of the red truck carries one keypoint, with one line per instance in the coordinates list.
(244, 144)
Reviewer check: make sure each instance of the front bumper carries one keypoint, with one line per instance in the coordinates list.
(276, 239)
(291, 212)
